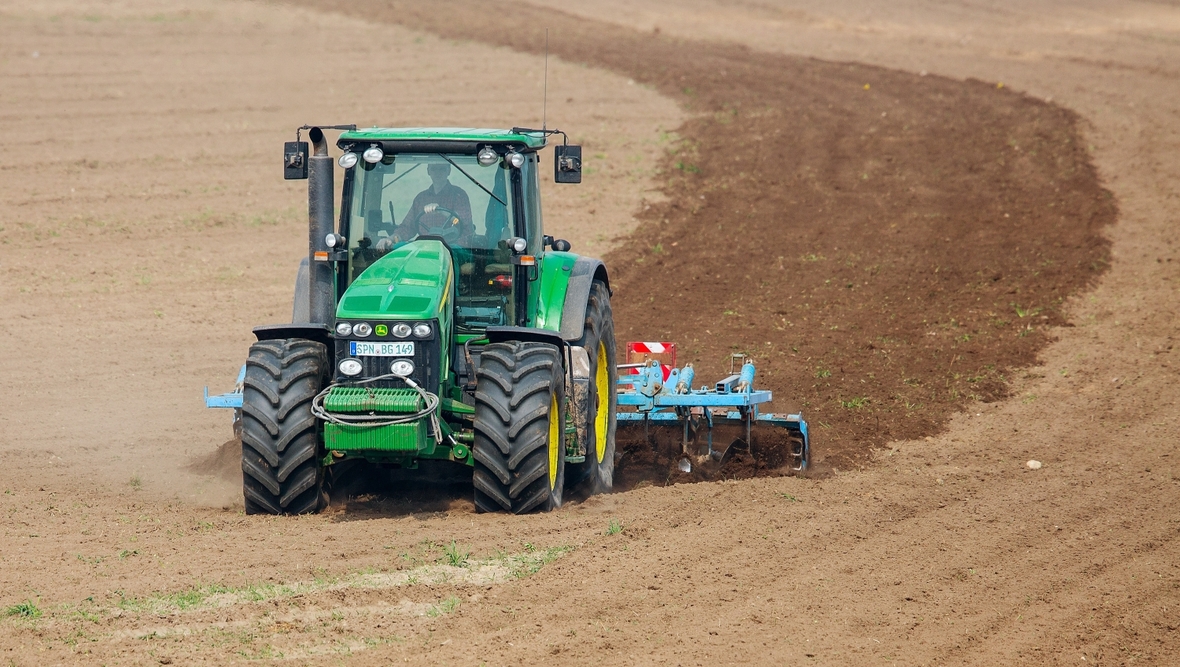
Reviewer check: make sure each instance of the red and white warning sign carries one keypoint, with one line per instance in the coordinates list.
(643, 352)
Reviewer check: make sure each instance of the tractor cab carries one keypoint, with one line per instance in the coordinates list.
(476, 191)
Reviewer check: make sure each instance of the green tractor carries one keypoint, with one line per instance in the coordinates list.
(434, 324)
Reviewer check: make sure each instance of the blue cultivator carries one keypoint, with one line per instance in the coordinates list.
(712, 424)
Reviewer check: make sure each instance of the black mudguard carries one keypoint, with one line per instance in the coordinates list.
(573, 314)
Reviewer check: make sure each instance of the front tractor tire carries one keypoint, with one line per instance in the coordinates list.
(598, 339)
(281, 471)
(519, 446)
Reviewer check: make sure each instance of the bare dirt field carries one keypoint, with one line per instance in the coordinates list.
(963, 214)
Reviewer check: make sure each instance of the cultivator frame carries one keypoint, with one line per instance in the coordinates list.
(662, 396)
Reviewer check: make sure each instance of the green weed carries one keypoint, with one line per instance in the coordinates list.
(823, 373)
(855, 403)
(790, 497)
(614, 527)
(456, 556)
(531, 562)
(27, 609)
(135, 482)
(447, 606)
(1025, 312)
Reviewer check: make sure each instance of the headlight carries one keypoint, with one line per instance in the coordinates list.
(373, 155)
(487, 157)
(350, 367)
(334, 241)
(518, 244)
(348, 160)
(515, 159)
(362, 329)
(401, 330)
(422, 330)
(343, 329)
(402, 367)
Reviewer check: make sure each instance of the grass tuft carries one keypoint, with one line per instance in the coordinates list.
(614, 527)
(445, 607)
(27, 609)
(456, 556)
(855, 403)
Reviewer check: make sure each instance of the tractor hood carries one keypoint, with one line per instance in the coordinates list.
(412, 282)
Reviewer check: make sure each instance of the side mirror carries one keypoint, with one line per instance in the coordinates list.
(567, 164)
(560, 245)
(295, 160)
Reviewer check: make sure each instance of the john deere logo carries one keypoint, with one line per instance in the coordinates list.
(381, 330)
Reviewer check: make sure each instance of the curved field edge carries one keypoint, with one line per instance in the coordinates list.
(889, 247)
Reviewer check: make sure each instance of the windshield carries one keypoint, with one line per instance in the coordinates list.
(451, 197)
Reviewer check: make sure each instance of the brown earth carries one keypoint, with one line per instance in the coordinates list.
(139, 284)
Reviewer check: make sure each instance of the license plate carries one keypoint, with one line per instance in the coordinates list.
(358, 348)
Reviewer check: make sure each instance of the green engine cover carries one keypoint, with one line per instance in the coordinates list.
(412, 282)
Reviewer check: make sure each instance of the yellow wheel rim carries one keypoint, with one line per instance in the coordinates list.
(602, 405)
(555, 429)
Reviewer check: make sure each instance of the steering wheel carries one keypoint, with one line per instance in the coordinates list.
(449, 231)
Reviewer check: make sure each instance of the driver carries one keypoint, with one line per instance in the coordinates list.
(441, 209)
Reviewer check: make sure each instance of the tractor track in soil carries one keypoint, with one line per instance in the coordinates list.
(889, 247)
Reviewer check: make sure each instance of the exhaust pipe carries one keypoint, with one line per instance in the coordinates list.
(320, 207)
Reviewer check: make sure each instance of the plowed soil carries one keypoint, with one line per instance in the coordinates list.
(945, 233)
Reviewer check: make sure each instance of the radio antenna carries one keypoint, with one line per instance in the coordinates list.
(545, 86)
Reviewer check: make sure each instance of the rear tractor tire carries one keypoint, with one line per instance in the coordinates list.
(519, 428)
(598, 338)
(281, 451)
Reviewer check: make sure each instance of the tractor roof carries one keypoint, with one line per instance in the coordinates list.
(460, 135)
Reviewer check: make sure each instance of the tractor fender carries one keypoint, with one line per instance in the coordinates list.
(300, 326)
(301, 310)
(524, 335)
(316, 332)
(577, 292)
